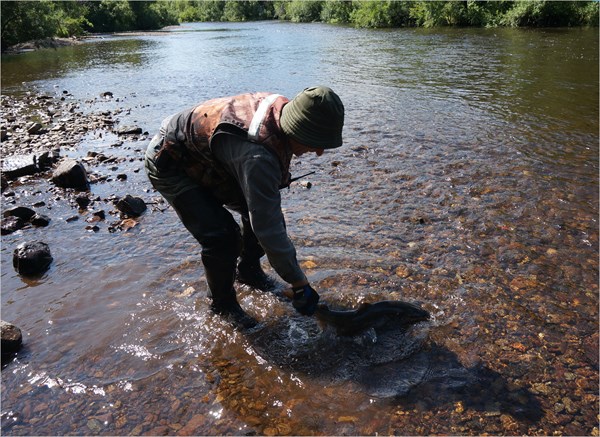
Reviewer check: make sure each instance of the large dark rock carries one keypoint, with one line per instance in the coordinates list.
(71, 174)
(22, 212)
(11, 337)
(130, 205)
(30, 259)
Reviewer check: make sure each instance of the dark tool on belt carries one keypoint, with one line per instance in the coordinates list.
(295, 179)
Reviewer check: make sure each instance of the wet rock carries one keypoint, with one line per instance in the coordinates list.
(130, 205)
(123, 225)
(19, 165)
(97, 216)
(34, 128)
(32, 258)
(71, 174)
(45, 160)
(21, 212)
(4, 182)
(40, 220)
(129, 130)
(12, 224)
(11, 337)
(83, 201)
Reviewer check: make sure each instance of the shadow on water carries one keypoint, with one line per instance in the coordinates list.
(478, 388)
(396, 365)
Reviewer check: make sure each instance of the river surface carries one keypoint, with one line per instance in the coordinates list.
(468, 182)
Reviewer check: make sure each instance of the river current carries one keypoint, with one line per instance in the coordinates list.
(468, 182)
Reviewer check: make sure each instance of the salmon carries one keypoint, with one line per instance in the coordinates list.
(370, 315)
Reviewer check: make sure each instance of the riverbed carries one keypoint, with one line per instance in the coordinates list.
(467, 183)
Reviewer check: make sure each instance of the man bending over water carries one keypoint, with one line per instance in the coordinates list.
(235, 152)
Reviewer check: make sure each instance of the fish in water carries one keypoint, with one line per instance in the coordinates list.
(370, 315)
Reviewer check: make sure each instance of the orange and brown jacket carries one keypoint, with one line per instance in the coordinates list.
(188, 135)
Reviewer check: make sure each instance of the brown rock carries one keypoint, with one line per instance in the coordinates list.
(193, 424)
(12, 339)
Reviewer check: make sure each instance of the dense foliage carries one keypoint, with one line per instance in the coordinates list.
(391, 13)
(30, 20)
(26, 20)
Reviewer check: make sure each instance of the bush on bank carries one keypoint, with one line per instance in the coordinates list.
(29, 20)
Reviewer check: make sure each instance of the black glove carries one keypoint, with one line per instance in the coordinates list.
(305, 300)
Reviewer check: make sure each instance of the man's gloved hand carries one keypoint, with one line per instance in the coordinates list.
(305, 300)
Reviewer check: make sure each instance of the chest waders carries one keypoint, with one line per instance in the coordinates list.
(212, 225)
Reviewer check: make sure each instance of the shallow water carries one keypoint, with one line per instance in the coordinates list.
(468, 182)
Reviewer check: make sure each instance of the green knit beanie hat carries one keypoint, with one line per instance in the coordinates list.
(314, 118)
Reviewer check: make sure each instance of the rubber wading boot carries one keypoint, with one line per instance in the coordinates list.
(233, 312)
(220, 285)
(252, 274)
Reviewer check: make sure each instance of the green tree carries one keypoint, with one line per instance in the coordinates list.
(71, 18)
(303, 11)
(26, 20)
(234, 11)
(210, 10)
(588, 13)
(540, 13)
(381, 14)
(336, 11)
(151, 15)
(111, 15)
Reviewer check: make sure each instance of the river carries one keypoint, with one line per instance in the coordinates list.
(468, 182)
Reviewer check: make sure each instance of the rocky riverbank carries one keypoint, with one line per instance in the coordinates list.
(37, 130)
(44, 170)
(45, 43)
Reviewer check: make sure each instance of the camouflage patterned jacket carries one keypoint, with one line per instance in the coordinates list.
(253, 116)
